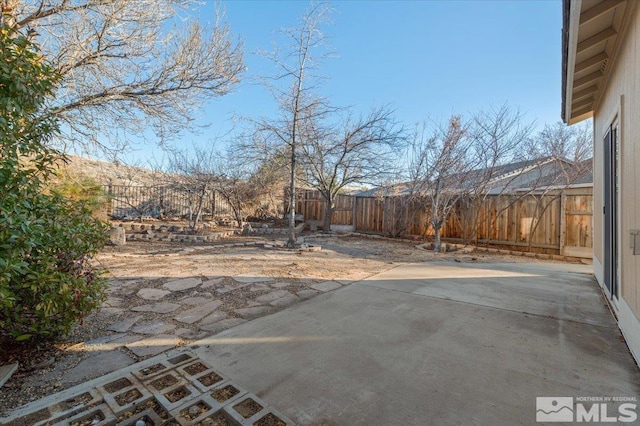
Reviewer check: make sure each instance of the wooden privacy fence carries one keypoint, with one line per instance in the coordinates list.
(555, 222)
(127, 201)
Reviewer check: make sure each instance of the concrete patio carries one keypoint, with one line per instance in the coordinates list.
(434, 343)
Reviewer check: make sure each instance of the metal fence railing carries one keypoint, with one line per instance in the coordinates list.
(136, 202)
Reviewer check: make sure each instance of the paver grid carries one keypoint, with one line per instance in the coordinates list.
(179, 389)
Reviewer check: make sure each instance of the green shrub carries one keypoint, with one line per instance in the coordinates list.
(84, 190)
(46, 282)
(46, 239)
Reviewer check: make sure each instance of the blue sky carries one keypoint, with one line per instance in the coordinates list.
(423, 58)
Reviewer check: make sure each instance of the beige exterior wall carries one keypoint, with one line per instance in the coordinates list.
(621, 102)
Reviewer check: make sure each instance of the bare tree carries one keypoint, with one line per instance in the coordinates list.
(570, 150)
(363, 151)
(195, 174)
(205, 172)
(499, 136)
(439, 164)
(574, 143)
(294, 89)
(129, 66)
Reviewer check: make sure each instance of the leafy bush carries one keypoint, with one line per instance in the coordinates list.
(46, 240)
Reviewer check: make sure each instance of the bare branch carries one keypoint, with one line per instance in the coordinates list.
(129, 66)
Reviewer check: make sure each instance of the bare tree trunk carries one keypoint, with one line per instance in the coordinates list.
(328, 214)
(437, 245)
(291, 243)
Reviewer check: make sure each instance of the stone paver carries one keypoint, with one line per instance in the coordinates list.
(219, 326)
(326, 286)
(252, 279)
(280, 285)
(228, 288)
(153, 345)
(305, 294)
(259, 287)
(124, 340)
(187, 333)
(109, 312)
(97, 365)
(152, 293)
(95, 344)
(285, 301)
(214, 317)
(183, 284)
(124, 325)
(195, 314)
(254, 312)
(194, 300)
(270, 297)
(158, 308)
(6, 371)
(212, 282)
(153, 327)
(112, 302)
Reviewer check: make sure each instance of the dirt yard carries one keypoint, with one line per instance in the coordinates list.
(177, 293)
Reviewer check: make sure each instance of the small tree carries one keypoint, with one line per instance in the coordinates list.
(438, 169)
(46, 240)
(498, 136)
(363, 151)
(293, 88)
(204, 172)
(194, 174)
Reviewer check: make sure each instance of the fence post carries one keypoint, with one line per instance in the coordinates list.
(563, 221)
(353, 216)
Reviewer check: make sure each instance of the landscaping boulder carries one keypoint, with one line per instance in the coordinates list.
(117, 236)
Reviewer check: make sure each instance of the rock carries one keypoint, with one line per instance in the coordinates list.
(124, 325)
(183, 284)
(214, 317)
(247, 229)
(158, 308)
(284, 301)
(194, 300)
(112, 302)
(306, 294)
(96, 366)
(153, 345)
(152, 293)
(259, 287)
(153, 327)
(212, 282)
(192, 315)
(117, 236)
(249, 313)
(270, 297)
(186, 333)
(6, 371)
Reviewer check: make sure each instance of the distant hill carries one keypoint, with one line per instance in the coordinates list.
(105, 173)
